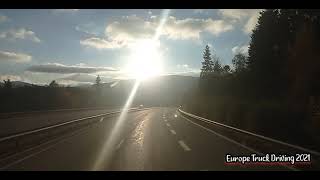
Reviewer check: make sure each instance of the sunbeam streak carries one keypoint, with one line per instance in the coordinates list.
(164, 17)
(105, 154)
(108, 148)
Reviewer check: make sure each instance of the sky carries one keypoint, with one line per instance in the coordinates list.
(73, 46)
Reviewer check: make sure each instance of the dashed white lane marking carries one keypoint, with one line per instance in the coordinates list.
(168, 124)
(173, 132)
(165, 120)
(119, 145)
(184, 146)
(101, 119)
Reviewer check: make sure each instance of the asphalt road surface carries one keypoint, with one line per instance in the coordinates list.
(28, 121)
(154, 139)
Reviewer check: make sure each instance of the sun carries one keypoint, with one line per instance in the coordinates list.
(145, 60)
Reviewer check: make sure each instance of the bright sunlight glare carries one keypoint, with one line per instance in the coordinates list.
(145, 60)
(106, 151)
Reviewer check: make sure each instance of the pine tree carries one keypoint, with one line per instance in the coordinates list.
(239, 62)
(226, 69)
(207, 64)
(265, 62)
(217, 68)
(53, 84)
(98, 80)
(7, 84)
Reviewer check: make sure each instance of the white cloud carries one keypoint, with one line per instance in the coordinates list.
(80, 78)
(240, 49)
(191, 28)
(66, 10)
(81, 64)
(179, 66)
(40, 78)
(250, 25)
(21, 33)
(185, 69)
(132, 28)
(65, 69)
(85, 78)
(14, 57)
(89, 28)
(11, 77)
(100, 43)
(198, 11)
(235, 13)
(121, 33)
(246, 17)
(3, 18)
(189, 73)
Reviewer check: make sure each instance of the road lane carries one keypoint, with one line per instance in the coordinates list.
(189, 148)
(41, 119)
(150, 146)
(75, 153)
(208, 149)
(145, 142)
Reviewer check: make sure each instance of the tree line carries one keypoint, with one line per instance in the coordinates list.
(53, 96)
(269, 88)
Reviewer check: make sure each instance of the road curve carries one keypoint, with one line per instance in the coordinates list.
(154, 139)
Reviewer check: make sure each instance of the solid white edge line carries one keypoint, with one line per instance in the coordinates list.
(232, 141)
(250, 133)
(58, 141)
(64, 123)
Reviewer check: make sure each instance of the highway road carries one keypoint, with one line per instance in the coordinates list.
(26, 121)
(154, 139)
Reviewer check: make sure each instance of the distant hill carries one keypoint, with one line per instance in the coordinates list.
(16, 84)
(161, 90)
(167, 90)
(81, 80)
(158, 91)
(21, 84)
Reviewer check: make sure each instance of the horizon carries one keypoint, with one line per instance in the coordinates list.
(114, 43)
(93, 82)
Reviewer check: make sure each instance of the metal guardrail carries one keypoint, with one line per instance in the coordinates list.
(10, 114)
(267, 143)
(253, 134)
(12, 141)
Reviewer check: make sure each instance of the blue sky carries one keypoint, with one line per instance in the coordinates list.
(73, 46)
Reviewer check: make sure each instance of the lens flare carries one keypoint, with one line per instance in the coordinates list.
(106, 153)
(107, 149)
